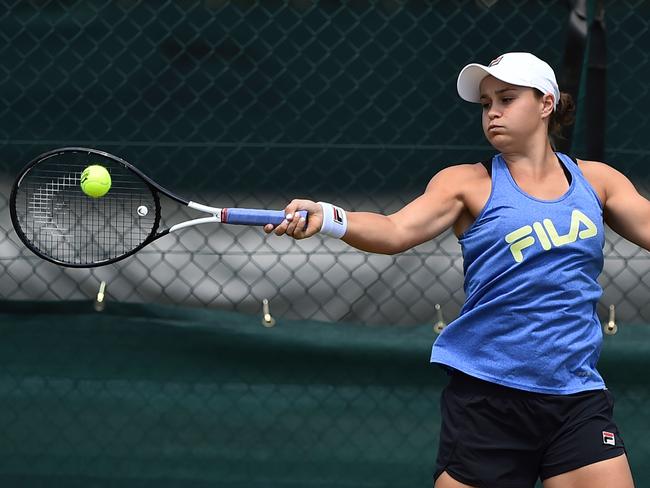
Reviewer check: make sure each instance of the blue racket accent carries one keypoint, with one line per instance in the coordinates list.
(251, 216)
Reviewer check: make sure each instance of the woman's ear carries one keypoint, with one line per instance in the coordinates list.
(548, 104)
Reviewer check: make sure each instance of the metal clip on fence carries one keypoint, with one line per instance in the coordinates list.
(440, 323)
(100, 304)
(267, 318)
(610, 328)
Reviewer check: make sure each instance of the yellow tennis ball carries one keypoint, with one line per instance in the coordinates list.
(95, 181)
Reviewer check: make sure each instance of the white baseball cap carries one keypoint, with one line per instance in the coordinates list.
(523, 69)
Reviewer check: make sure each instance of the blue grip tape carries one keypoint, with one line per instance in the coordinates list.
(252, 216)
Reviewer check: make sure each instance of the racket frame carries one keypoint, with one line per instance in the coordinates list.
(237, 216)
(153, 187)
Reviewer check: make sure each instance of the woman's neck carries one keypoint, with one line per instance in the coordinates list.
(535, 159)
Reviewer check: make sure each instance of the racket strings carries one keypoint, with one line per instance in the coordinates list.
(61, 221)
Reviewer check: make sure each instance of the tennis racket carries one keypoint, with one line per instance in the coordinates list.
(60, 223)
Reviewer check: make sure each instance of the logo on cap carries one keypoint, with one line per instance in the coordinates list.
(495, 61)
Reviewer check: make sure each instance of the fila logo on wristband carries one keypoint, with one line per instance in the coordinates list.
(335, 221)
(338, 217)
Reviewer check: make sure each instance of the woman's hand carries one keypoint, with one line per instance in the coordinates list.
(296, 226)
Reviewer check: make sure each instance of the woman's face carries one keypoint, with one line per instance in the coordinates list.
(512, 114)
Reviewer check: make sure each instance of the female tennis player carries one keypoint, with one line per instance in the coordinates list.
(524, 400)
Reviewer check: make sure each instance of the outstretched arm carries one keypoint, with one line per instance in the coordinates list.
(625, 210)
(424, 218)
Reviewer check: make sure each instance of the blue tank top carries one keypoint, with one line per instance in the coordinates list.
(531, 284)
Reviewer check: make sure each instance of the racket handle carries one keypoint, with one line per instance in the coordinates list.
(252, 216)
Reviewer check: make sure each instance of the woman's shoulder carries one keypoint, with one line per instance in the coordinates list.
(601, 176)
(596, 169)
(462, 179)
(464, 171)
(591, 165)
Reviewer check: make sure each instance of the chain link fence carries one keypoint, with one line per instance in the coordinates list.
(253, 103)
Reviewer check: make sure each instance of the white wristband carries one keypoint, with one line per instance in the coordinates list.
(335, 221)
